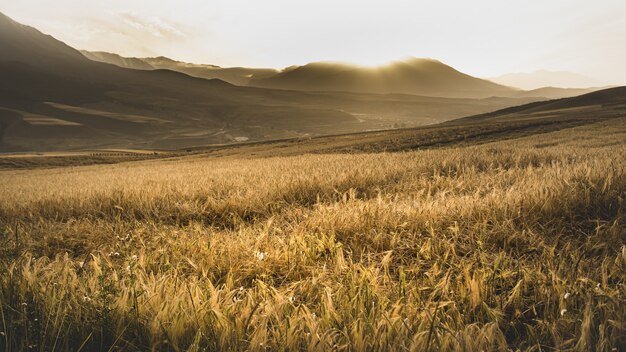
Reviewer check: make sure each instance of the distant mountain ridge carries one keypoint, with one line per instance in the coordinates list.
(411, 76)
(544, 78)
(240, 76)
(414, 76)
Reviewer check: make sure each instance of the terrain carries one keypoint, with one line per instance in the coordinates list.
(53, 98)
(502, 231)
(239, 76)
(545, 78)
(146, 205)
(411, 76)
(513, 122)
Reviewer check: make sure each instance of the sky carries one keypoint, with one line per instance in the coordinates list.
(484, 38)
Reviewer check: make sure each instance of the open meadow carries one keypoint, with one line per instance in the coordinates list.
(504, 245)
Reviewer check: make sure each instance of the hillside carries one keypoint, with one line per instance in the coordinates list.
(243, 76)
(240, 76)
(545, 78)
(117, 60)
(412, 76)
(510, 245)
(54, 98)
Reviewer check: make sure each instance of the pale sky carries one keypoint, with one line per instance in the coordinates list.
(483, 38)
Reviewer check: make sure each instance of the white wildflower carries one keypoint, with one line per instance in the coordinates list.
(563, 311)
(566, 296)
(260, 255)
(133, 258)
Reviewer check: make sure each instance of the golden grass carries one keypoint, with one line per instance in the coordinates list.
(510, 245)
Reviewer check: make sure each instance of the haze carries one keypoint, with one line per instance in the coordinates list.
(486, 38)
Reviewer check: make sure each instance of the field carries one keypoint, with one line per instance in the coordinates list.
(516, 243)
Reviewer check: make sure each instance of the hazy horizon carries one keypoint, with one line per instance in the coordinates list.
(485, 39)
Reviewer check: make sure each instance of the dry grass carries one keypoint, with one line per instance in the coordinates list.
(508, 245)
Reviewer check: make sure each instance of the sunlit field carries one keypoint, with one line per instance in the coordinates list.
(515, 244)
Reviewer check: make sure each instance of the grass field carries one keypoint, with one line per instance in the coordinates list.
(512, 244)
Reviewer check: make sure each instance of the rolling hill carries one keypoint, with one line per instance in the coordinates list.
(242, 76)
(545, 78)
(235, 75)
(53, 98)
(412, 76)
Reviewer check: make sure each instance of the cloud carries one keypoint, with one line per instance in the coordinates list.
(155, 26)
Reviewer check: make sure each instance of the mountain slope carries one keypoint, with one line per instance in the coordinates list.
(114, 59)
(27, 45)
(413, 76)
(607, 102)
(544, 78)
(555, 92)
(240, 76)
(53, 98)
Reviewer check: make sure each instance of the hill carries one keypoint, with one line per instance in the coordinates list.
(545, 78)
(555, 92)
(514, 245)
(412, 76)
(117, 60)
(240, 76)
(509, 123)
(53, 98)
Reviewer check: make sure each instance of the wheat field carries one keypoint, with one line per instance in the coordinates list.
(513, 245)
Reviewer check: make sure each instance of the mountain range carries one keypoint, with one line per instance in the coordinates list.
(427, 77)
(53, 97)
(544, 78)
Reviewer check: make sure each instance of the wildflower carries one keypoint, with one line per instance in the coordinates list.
(566, 296)
(24, 304)
(86, 299)
(260, 255)
(291, 299)
(1, 333)
(599, 290)
(563, 311)
(133, 258)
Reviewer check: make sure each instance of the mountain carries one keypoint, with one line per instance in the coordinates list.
(601, 104)
(117, 60)
(27, 45)
(555, 92)
(412, 76)
(54, 98)
(240, 76)
(544, 78)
